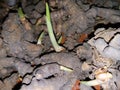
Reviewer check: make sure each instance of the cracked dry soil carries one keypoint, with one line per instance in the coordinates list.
(26, 65)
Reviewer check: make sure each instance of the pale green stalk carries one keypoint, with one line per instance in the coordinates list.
(40, 38)
(66, 69)
(60, 39)
(50, 31)
(20, 13)
(92, 82)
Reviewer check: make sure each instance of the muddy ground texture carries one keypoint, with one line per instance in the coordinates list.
(90, 35)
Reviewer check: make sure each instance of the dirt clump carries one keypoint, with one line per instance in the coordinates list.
(89, 30)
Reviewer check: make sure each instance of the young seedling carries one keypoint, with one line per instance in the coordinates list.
(66, 69)
(50, 31)
(40, 38)
(23, 19)
(21, 14)
(92, 82)
(100, 79)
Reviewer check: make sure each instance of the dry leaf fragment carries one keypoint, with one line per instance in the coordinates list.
(82, 37)
(19, 80)
(97, 87)
(76, 85)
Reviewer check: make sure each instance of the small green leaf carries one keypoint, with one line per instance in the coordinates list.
(48, 12)
(20, 13)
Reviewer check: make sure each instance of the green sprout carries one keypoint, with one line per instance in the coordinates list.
(23, 19)
(40, 38)
(50, 31)
(20, 13)
(60, 39)
(100, 79)
(66, 69)
(92, 82)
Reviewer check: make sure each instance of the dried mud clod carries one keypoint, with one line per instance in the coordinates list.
(18, 40)
(27, 65)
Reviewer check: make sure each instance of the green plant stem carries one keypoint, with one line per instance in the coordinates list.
(20, 13)
(60, 39)
(40, 38)
(50, 31)
(92, 82)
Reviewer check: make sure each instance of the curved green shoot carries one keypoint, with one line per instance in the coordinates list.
(92, 82)
(40, 38)
(20, 13)
(50, 31)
